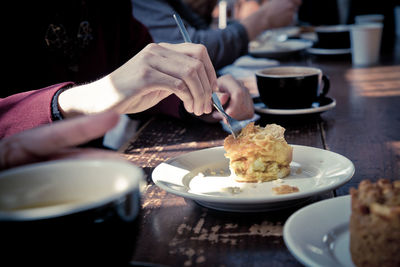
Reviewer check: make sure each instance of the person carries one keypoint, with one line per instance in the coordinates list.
(223, 45)
(80, 41)
(155, 73)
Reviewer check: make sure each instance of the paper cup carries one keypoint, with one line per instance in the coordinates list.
(366, 43)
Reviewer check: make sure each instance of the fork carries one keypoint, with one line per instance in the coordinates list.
(233, 125)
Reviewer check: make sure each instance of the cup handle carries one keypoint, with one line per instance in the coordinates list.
(327, 84)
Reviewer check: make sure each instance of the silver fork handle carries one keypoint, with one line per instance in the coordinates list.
(217, 104)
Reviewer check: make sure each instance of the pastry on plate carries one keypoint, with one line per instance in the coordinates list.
(375, 223)
(259, 154)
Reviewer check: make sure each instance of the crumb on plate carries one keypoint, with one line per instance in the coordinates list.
(285, 189)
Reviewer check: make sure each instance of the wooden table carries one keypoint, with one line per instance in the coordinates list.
(364, 127)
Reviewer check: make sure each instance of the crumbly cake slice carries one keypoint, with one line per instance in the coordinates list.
(259, 154)
(375, 223)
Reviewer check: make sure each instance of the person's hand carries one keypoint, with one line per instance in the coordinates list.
(280, 13)
(156, 72)
(57, 140)
(244, 8)
(235, 98)
(271, 14)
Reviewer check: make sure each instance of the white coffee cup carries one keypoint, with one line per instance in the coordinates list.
(366, 43)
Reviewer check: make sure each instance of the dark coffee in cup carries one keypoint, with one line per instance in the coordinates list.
(291, 87)
(333, 37)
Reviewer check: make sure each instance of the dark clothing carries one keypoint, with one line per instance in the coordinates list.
(67, 40)
(317, 12)
(224, 45)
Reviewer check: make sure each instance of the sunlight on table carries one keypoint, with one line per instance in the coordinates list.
(375, 82)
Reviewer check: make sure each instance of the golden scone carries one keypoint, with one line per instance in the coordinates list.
(259, 154)
(375, 223)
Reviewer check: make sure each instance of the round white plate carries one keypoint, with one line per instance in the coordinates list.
(204, 176)
(323, 51)
(318, 107)
(318, 234)
(277, 49)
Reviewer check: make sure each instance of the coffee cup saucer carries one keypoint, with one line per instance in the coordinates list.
(326, 51)
(323, 104)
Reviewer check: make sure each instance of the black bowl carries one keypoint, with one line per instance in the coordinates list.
(70, 212)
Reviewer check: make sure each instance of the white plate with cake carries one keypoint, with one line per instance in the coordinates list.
(361, 229)
(208, 177)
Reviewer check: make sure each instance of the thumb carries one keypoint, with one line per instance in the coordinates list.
(223, 97)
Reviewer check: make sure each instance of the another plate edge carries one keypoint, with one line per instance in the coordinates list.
(288, 240)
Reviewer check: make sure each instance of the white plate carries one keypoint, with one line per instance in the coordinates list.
(313, 171)
(311, 36)
(318, 107)
(323, 51)
(318, 234)
(277, 49)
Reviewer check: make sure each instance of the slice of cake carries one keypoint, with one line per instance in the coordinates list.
(259, 154)
(375, 223)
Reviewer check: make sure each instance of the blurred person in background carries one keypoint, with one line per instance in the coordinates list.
(224, 45)
(240, 8)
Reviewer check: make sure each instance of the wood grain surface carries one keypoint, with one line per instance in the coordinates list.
(364, 127)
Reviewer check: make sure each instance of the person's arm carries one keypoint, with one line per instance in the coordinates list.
(27, 110)
(223, 46)
(57, 140)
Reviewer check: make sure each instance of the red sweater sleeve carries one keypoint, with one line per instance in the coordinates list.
(27, 110)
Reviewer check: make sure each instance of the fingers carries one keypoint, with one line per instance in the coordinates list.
(240, 104)
(204, 69)
(73, 132)
(192, 70)
(200, 52)
(184, 80)
(159, 70)
(42, 142)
